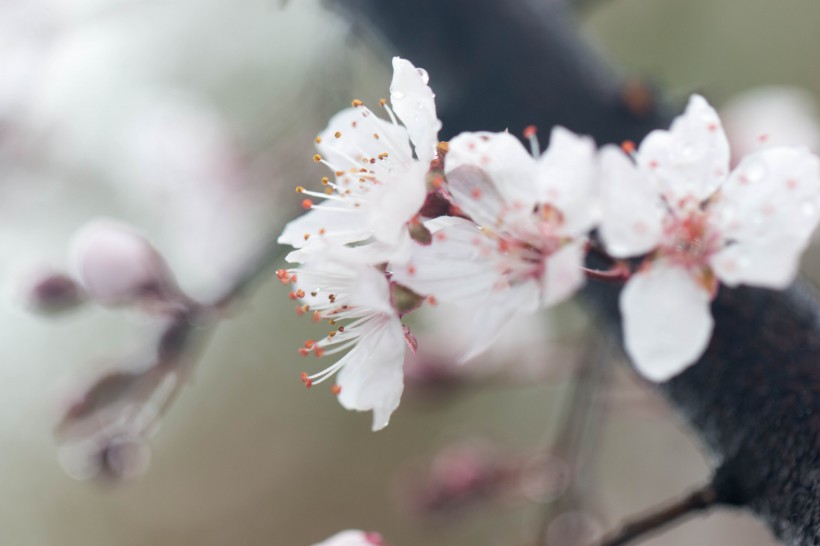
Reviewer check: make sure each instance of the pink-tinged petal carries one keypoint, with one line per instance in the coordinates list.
(496, 308)
(666, 319)
(392, 205)
(345, 224)
(353, 538)
(567, 179)
(631, 209)
(356, 144)
(766, 212)
(457, 266)
(508, 165)
(414, 103)
(372, 377)
(563, 275)
(691, 159)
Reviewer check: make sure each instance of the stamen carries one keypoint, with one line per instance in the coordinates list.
(531, 134)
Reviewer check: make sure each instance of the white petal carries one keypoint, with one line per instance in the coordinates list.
(567, 179)
(348, 225)
(691, 159)
(372, 377)
(495, 310)
(563, 275)
(632, 211)
(414, 103)
(767, 211)
(394, 204)
(508, 165)
(356, 143)
(458, 266)
(353, 538)
(666, 319)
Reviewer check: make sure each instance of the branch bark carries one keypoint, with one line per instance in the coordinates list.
(753, 397)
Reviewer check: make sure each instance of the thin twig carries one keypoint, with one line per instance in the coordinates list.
(701, 499)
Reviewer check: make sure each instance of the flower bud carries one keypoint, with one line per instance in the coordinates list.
(117, 266)
(51, 293)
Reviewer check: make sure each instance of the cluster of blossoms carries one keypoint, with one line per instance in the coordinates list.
(482, 223)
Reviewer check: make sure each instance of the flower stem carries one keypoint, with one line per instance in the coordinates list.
(619, 273)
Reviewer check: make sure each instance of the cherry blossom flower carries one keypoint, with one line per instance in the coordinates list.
(380, 179)
(523, 246)
(341, 286)
(701, 224)
(354, 538)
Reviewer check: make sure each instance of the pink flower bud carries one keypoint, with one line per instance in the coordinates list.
(116, 265)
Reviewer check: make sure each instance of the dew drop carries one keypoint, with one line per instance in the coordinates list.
(687, 152)
(425, 77)
(755, 171)
(395, 94)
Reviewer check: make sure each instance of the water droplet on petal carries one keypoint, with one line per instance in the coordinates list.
(687, 151)
(396, 94)
(755, 171)
(425, 77)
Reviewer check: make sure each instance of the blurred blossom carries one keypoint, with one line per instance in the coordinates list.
(354, 538)
(766, 117)
(117, 266)
(461, 475)
(103, 429)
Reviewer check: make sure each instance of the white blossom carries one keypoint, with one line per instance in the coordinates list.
(340, 285)
(523, 246)
(354, 538)
(379, 178)
(700, 224)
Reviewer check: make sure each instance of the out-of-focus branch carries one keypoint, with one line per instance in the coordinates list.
(753, 396)
(574, 441)
(108, 424)
(641, 527)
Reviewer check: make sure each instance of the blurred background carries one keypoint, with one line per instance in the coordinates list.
(193, 120)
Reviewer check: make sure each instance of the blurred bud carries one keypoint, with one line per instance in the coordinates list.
(118, 266)
(51, 293)
(107, 457)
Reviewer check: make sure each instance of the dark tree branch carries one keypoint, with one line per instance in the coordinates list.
(753, 397)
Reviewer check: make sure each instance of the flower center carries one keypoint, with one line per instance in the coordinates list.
(689, 239)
